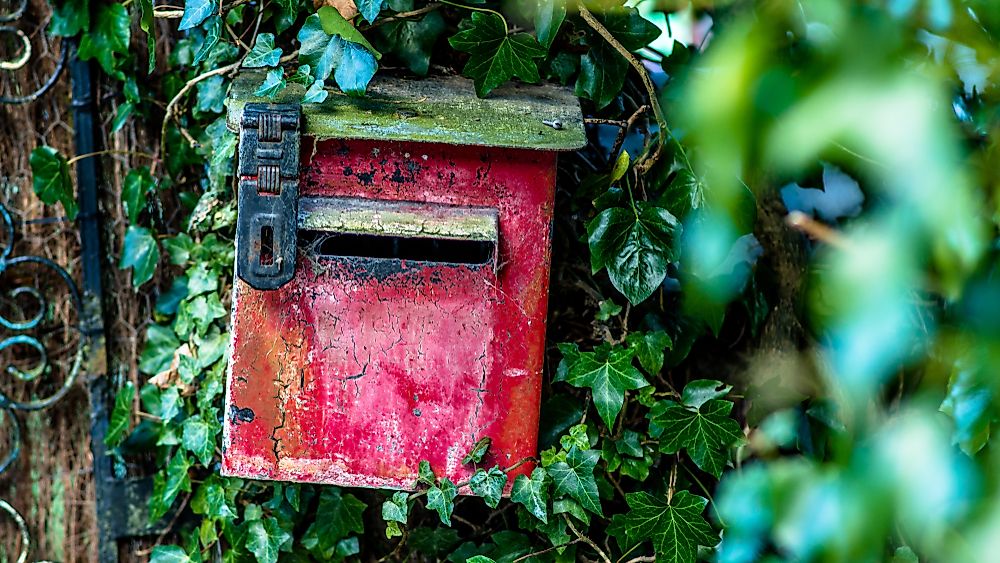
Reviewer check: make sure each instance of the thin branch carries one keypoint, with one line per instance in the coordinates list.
(586, 540)
(172, 106)
(672, 486)
(648, 160)
(175, 12)
(109, 151)
(506, 28)
(530, 555)
(403, 16)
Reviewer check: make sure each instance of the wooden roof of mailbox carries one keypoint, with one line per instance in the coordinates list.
(432, 110)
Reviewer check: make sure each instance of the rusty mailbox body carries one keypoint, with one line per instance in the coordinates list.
(396, 313)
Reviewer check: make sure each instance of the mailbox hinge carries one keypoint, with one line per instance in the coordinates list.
(268, 194)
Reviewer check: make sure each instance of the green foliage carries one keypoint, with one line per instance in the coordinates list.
(675, 526)
(496, 55)
(330, 44)
(140, 253)
(700, 425)
(634, 245)
(489, 485)
(108, 39)
(264, 53)
(608, 371)
(441, 497)
(50, 179)
(854, 368)
(533, 492)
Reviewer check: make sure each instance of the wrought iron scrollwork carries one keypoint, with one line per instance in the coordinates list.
(18, 339)
(24, 55)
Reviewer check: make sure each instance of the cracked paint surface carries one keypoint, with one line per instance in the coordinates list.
(360, 368)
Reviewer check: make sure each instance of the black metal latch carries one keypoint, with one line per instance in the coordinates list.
(268, 194)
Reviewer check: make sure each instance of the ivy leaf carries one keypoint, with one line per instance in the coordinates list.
(212, 95)
(167, 485)
(273, 83)
(288, 12)
(330, 43)
(575, 477)
(50, 179)
(478, 450)
(442, 498)
(70, 18)
(609, 373)
(161, 343)
(701, 391)
(369, 8)
(649, 347)
(213, 28)
(548, 19)
(676, 528)
(411, 41)
(532, 492)
(264, 53)
(602, 74)
(195, 12)
(425, 474)
(169, 554)
(396, 509)
(628, 26)
(138, 183)
(489, 485)
(121, 415)
(264, 539)
(634, 245)
(303, 75)
(210, 500)
(704, 433)
(496, 56)
(199, 439)
(139, 253)
(316, 94)
(338, 516)
(108, 39)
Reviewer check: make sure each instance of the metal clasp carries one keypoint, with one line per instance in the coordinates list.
(268, 195)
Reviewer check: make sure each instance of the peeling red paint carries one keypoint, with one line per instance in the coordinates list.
(358, 369)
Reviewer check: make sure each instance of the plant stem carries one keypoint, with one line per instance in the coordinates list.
(109, 151)
(401, 16)
(647, 161)
(506, 29)
(586, 540)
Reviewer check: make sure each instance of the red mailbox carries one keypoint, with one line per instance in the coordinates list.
(392, 279)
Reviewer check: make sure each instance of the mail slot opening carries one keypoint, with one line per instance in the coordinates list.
(266, 245)
(324, 244)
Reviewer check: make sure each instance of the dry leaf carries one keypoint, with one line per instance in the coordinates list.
(170, 377)
(347, 8)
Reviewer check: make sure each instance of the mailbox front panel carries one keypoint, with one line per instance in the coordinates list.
(399, 339)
